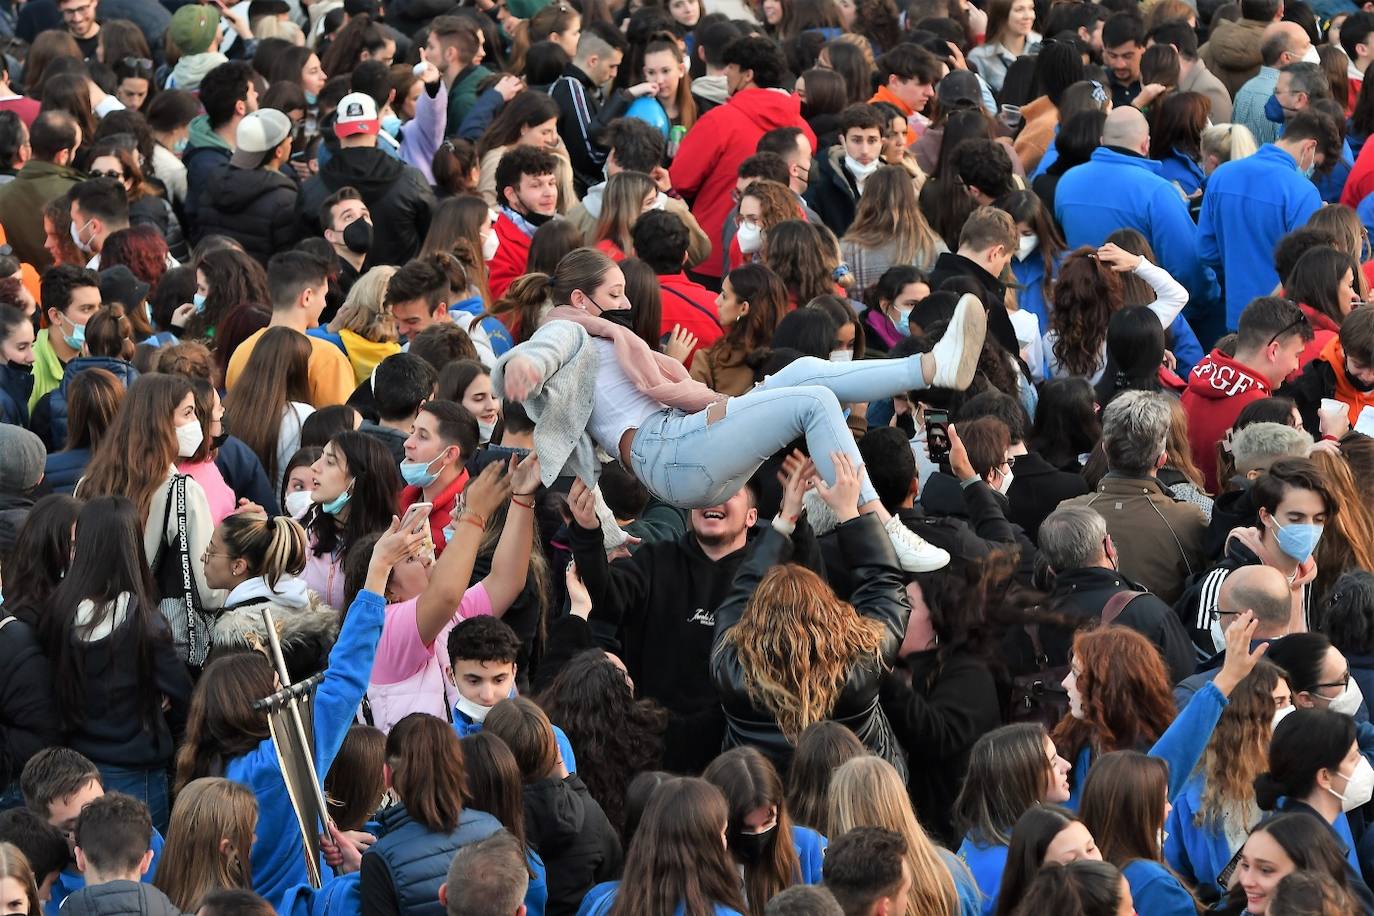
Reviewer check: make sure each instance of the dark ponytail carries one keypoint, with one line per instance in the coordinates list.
(1306, 741)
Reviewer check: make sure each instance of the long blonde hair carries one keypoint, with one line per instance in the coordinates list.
(796, 644)
(1238, 751)
(888, 212)
(621, 206)
(208, 811)
(363, 312)
(868, 792)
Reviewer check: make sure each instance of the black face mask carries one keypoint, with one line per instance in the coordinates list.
(622, 317)
(750, 848)
(537, 219)
(218, 441)
(357, 236)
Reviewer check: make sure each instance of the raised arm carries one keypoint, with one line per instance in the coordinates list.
(453, 571)
(521, 373)
(1170, 296)
(510, 565)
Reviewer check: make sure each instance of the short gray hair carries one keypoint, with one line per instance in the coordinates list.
(1071, 538)
(1308, 78)
(488, 878)
(1134, 428)
(1259, 445)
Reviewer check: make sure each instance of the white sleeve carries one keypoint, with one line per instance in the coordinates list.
(1170, 296)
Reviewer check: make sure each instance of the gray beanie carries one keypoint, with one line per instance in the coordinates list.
(22, 457)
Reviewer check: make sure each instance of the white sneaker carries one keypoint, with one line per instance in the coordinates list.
(819, 515)
(956, 355)
(914, 553)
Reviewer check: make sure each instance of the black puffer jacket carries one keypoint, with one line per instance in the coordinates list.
(878, 594)
(29, 717)
(119, 898)
(255, 207)
(397, 195)
(571, 833)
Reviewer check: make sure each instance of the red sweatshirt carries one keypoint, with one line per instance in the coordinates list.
(1218, 389)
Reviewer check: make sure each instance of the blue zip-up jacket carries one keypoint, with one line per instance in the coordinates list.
(1157, 892)
(339, 897)
(1140, 199)
(1196, 853)
(1249, 205)
(1031, 297)
(64, 469)
(1186, 348)
(1180, 746)
(1181, 168)
(986, 863)
(49, 419)
(15, 387)
(1330, 185)
(278, 856)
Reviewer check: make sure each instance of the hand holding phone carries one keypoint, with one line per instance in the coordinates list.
(937, 435)
(417, 517)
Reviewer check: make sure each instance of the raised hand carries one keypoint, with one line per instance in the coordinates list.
(796, 478)
(488, 492)
(680, 344)
(1240, 660)
(578, 596)
(843, 495)
(524, 474)
(1118, 258)
(582, 504)
(959, 465)
(396, 545)
(521, 378)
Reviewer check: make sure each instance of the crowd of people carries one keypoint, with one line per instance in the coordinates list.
(699, 458)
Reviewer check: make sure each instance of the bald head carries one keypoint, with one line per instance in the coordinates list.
(1127, 128)
(1283, 43)
(1262, 589)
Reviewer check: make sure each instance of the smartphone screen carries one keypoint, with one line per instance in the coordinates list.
(937, 435)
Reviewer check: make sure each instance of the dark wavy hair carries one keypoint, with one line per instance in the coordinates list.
(376, 485)
(1348, 618)
(1085, 296)
(616, 735)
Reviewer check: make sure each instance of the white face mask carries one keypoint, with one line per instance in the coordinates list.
(484, 431)
(1281, 714)
(473, 710)
(1359, 786)
(859, 170)
(660, 201)
(189, 438)
(750, 237)
(1027, 245)
(297, 503)
(841, 356)
(1311, 55)
(490, 244)
(1005, 484)
(1348, 701)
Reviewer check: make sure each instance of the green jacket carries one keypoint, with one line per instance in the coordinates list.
(462, 95)
(21, 207)
(47, 368)
(524, 9)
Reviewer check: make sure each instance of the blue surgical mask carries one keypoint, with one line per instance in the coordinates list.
(311, 98)
(1297, 541)
(1273, 110)
(179, 147)
(392, 126)
(77, 338)
(336, 505)
(198, 300)
(417, 473)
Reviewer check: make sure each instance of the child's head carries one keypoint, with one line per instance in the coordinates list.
(40, 842)
(113, 836)
(482, 652)
(58, 783)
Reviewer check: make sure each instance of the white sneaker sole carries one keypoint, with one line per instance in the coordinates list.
(970, 323)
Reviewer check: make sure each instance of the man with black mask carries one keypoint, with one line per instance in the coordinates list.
(527, 189)
(347, 225)
(1342, 370)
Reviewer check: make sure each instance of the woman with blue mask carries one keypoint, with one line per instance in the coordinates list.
(355, 494)
(302, 67)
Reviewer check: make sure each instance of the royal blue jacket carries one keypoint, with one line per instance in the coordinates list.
(1180, 746)
(986, 863)
(1140, 199)
(278, 856)
(601, 898)
(1196, 853)
(1249, 205)
(1157, 892)
(1181, 168)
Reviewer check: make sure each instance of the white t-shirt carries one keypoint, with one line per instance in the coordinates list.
(618, 405)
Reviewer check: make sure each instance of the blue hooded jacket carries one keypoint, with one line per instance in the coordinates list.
(15, 387)
(1249, 205)
(1140, 199)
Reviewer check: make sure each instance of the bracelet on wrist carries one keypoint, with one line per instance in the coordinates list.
(525, 495)
(474, 520)
(529, 505)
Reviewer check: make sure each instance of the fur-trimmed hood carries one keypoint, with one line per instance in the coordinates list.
(306, 633)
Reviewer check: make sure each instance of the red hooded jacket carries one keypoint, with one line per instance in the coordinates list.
(510, 258)
(1218, 389)
(707, 164)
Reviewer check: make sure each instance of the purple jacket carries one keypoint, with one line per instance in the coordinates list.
(422, 136)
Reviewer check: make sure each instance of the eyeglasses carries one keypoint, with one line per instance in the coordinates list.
(117, 176)
(137, 63)
(1299, 322)
(1342, 683)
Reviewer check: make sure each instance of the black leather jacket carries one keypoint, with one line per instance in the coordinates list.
(879, 594)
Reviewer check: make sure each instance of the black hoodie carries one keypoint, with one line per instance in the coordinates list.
(571, 833)
(397, 196)
(255, 207)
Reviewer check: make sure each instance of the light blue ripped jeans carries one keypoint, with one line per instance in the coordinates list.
(689, 463)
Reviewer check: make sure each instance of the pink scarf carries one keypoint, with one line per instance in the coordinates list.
(660, 377)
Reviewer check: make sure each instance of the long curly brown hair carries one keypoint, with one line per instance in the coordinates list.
(1239, 750)
(1348, 542)
(616, 736)
(796, 644)
(1127, 696)
(1085, 296)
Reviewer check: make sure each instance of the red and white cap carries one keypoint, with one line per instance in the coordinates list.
(356, 114)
